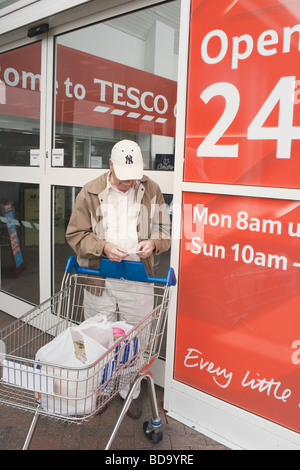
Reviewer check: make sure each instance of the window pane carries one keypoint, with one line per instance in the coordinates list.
(118, 80)
(19, 105)
(19, 240)
(63, 198)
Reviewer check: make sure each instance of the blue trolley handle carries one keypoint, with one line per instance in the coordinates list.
(129, 270)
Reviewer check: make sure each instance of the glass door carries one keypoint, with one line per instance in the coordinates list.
(115, 79)
(64, 101)
(20, 167)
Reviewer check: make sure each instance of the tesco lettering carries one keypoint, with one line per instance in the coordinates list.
(132, 97)
(122, 96)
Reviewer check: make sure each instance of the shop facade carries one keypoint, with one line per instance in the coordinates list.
(210, 93)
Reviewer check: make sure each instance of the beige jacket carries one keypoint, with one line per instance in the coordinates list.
(86, 233)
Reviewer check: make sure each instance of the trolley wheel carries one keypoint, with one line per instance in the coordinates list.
(151, 434)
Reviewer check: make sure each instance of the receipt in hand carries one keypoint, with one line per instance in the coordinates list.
(133, 251)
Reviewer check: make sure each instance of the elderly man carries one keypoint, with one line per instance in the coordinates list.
(120, 215)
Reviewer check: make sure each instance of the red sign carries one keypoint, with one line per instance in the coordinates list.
(90, 91)
(243, 113)
(98, 92)
(238, 322)
(20, 81)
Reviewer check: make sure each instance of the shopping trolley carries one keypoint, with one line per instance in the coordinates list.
(75, 394)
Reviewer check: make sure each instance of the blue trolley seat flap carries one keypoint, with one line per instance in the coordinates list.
(128, 270)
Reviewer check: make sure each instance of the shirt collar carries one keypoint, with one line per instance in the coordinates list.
(110, 186)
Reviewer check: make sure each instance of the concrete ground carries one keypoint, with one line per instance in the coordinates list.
(53, 434)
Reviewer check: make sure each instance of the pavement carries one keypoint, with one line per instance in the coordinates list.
(52, 434)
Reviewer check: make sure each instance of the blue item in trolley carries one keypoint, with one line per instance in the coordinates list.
(131, 348)
(122, 353)
(108, 372)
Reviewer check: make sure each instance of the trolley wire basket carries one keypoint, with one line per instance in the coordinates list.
(41, 374)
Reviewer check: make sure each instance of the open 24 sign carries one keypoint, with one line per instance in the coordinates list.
(243, 112)
(283, 133)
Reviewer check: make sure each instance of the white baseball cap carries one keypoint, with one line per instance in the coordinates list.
(127, 160)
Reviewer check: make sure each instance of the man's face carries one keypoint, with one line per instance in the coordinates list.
(121, 185)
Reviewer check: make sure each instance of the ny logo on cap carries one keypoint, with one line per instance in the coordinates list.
(128, 159)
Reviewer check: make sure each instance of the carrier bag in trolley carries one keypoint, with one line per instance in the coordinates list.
(75, 360)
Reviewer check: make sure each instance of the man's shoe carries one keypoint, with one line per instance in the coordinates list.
(101, 408)
(135, 409)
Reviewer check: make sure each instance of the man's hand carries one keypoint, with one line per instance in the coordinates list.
(114, 252)
(147, 247)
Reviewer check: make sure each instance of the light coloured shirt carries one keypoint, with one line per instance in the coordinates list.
(120, 219)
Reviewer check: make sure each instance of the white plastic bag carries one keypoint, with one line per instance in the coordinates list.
(70, 356)
(99, 329)
(74, 381)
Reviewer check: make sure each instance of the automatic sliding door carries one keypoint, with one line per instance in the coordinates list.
(20, 83)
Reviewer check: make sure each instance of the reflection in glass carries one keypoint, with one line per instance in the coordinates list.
(113, 83)
(19, 104)
(19, 240)
(63, 198)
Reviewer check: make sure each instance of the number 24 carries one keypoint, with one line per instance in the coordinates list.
(284, 133)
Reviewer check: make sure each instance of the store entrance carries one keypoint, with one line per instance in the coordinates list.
(64, 101)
